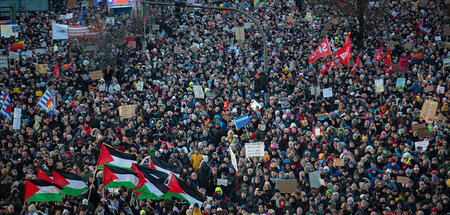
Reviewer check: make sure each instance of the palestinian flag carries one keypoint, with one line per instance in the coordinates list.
(180, 190)
(42, 191)
(45, 175)
(160, 165)
(151, 182)
(112, 157)
(114, 177)
(72, 184)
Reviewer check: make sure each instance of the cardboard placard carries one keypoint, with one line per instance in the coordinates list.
(127, 111)
(408, 46)
(254, 149)
(72, 3)
(339, 162)
(287, 185)
(198, 92)
(289, 19)
(429, 88)
(334, 21)
(96, 75)
(422, 130)
(93, 88)
(396, 67)
(42, 68)
(403, 180)
(428, 112)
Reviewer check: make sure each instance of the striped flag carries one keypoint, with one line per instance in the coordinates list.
(45, 175)
(46, 102)
(72, 184)
(114, 177)
(42, 191)
(160, 165)
(180, 190)
(5, 105)
(151, 182)
(112, 157)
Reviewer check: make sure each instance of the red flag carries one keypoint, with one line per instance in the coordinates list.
(56, 70)
(322, 51)
(333, 63)
(390, 68)
(347, 39)
(358, 62)
(387, 58)
(324, 68)
(225, 106)
(379, 55)
(353, 69)
(344, 53)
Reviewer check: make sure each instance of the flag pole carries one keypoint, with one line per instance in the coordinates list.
(93, 179)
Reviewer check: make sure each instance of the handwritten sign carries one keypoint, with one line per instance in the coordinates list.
(222, 182)
(140, 86)
(96, 75)
(327, 92)
(421, 145)
(42, 68)
(198, 92)
(339, 162)
(287, 185)
(428, 112)
(429, 88)
(3, 62)
(314, 179)
(422, 130)
(254, 149)
(379, 85)
(127, 111)
(403, 180)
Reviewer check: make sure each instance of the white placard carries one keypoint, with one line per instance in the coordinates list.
(69, 16)
(222, 182)
(39, 51)
(441, 89)
(255, 105)
(27, 53)
(110, 20)
(23, 69)
(327, 92)
(254, 149)
(3, 62)
(16, 123)
(17, 118)
(198, 92)
(62, 16)
(247, 25)
(140, 86)
(17, 112)
(422, 144)
(14, 55)
(233, 160)
(437, 38)
(379, 85)
(394, 14)
(317, 131)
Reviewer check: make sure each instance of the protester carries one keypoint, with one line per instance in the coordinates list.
(374, 133)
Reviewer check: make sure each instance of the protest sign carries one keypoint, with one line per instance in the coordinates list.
(39, 51)
(289, 19)
(27, 53)
(327, 92)
(379, 85)
(132, 45)
(421, 145)
(16, 90)
(428, 112)
(198, 92)
(42, 68)
(441, 89)
(14, 55)
(255, 105)
(17, 118)
(404, 64)
(3, 62)
(429, 88)
(222, 182)
(239, 32)
(254, 149)
(96, 75)
(64, 32)
(127, 111)
(400, 83)
(314, 179)
(422, 130)
(38, 93)
(308, 16)
(233, 159)
(247, 25)
(72, 3)
(287, 185)
(403, 180)
(211, 95)
(110, 20)
(140, 86)
(339, 162)
(242, 121)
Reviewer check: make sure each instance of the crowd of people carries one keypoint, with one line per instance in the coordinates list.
(371, 131)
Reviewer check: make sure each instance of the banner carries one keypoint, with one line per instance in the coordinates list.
(254, 149)
(7, 31)
(404, 65)
(63, 32)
